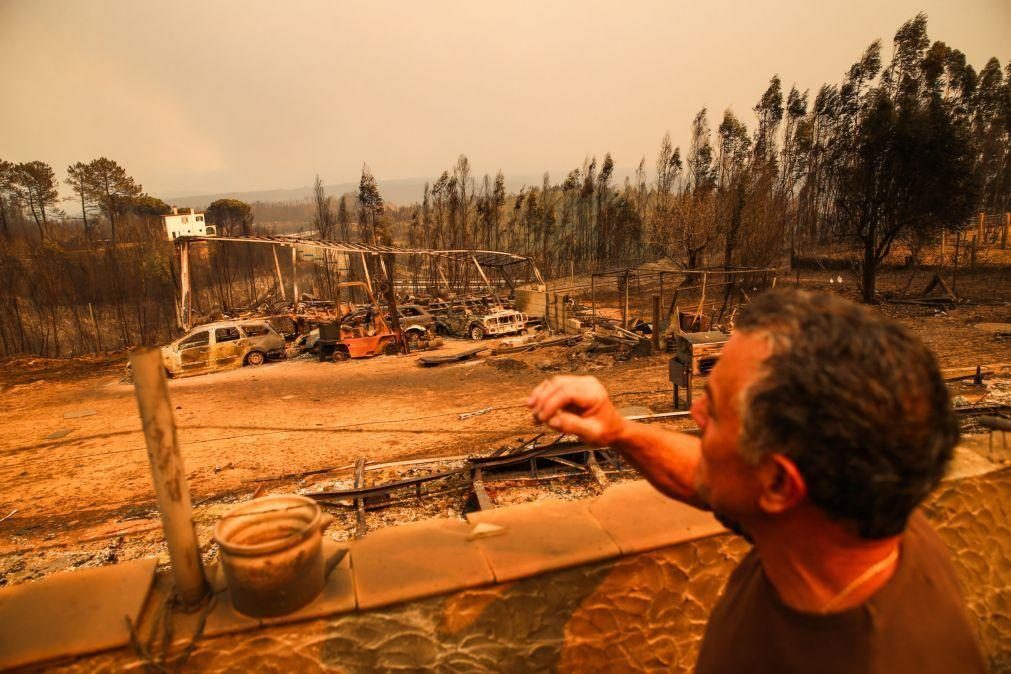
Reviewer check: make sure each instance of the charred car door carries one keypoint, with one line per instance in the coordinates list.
(228, 347)
(195, 352)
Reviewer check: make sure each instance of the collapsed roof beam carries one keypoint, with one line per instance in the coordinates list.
(479, 258)
(487, 258)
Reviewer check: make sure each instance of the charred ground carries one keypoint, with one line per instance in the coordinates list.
(74, 469)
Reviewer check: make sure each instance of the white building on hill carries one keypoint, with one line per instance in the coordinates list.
(186, 222)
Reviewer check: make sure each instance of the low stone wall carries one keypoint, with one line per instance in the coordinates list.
(643, 612)
(636, 611)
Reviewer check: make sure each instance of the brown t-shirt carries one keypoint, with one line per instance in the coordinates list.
(915, 623)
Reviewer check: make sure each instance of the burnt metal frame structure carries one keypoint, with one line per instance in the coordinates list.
(622, 277)
(477, 471)
(479, 258)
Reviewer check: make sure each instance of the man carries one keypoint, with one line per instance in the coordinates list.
(823, 427)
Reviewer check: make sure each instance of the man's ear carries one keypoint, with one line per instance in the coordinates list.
(782, 487)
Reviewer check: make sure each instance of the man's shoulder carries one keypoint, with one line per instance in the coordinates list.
(916, 622)
(924, 580)
(924, 561)
(922, 608)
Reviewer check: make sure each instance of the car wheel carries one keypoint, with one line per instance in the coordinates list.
(255, 358)
(413, 339)
(339, 356)
(476, 332)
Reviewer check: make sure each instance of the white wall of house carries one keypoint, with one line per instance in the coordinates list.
(186, 224)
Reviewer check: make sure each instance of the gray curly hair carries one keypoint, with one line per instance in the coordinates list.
(854, 400)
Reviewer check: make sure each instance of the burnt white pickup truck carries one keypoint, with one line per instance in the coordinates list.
(478, 323)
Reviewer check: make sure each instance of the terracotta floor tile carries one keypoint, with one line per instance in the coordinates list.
(541, 537)
(224, 618)
(72, 613)
(640, 518)
(416, 560)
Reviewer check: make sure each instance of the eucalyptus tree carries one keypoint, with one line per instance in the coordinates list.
(570, 195)
(547, 223)
(498, 199)
(464, 183)
(668, 171)
(343, 219)
(370, 216)
(440, 191)
(902, 154)
(482, 208)
(324, 221)
(991, 126)
(769, 111)
(641, 190)
(516, 219)
(603, 235)
(731, 178)
(453, 207)
(586, 211)
(694, 219)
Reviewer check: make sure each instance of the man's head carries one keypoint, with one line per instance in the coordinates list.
(818, 400)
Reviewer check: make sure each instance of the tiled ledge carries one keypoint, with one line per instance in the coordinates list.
(389, 566)
(72, 613)
(85, 610)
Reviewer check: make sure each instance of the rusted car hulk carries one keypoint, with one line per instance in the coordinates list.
(480, 322)
(222, 345)
(360, 333)
(417, 324)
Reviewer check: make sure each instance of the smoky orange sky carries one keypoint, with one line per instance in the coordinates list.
(200, 97)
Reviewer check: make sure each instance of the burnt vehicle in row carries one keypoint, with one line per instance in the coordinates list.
(417, 324)
(440, 307)
(361, 332)
(222, 345)
(478, 320)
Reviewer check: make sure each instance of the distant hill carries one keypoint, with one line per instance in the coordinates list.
(402, 191)
(399, 191)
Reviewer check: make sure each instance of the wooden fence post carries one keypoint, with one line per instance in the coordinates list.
(168, 474)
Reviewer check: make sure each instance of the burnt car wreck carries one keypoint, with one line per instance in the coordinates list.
(222, 345)
(360, 333)
(479, 320)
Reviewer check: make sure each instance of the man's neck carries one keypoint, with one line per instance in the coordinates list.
(818, 566)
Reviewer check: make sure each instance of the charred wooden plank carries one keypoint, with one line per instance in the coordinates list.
(596, 471)
(566, 462)
(380, 489)
(995, 423)
(480, 493)
(362, 527)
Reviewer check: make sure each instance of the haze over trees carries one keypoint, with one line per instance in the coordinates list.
(895, 152)
(907, 145)
(60, 280)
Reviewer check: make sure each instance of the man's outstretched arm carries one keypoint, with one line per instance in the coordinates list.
(581, 406)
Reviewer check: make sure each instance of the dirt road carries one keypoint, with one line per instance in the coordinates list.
(74, 466)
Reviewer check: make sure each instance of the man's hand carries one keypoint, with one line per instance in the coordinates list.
(577, 405)
(580, 405)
